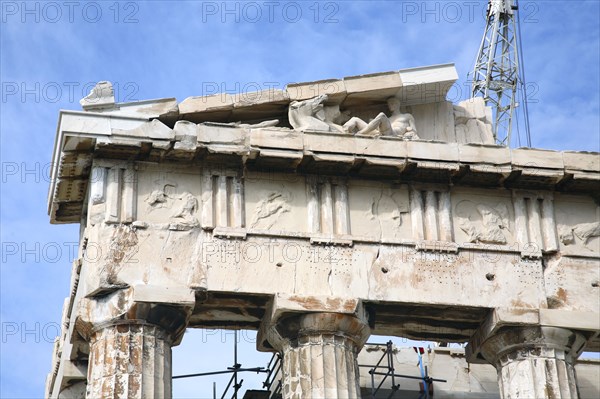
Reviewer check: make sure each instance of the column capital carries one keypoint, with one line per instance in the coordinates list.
(533, 361)
(320, 338)
(290, 317)
(524, 342)
(121, 326)
(127, 307)
(529, 327)
(298, 329)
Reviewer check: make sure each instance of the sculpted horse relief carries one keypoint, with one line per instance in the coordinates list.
(313, 114)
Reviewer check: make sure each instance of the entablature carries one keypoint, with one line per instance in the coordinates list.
(85, 136)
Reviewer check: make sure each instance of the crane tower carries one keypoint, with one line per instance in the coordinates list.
(496, 72)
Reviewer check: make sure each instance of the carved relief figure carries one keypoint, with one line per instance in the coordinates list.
(473, 122)
(184, 206)
(313, 114)
(308, 114)
(581, 233)
(101, 96)
(335, 118)
(158, 198)
(488, 225)
(184, 215)
(269, 123)
(268, 210)
(398, 124)
(387, 210)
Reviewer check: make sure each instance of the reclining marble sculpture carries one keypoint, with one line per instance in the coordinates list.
(313, 114)
(398, 124)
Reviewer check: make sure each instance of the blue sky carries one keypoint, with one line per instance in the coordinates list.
(52, 52)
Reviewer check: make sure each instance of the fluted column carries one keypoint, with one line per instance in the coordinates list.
(129, 360)
(535, 361)
(319, 355)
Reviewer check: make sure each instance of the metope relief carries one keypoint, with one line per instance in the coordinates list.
(483, 218)
(167, 201)
(269, 210)
(178, 209)
(580, 234)
(487, 224)
(275, 203)
(576, 232)
(185, 207)
(378, 211)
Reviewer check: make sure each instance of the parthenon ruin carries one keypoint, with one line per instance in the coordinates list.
(320, 215)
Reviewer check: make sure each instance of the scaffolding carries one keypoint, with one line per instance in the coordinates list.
(271, 386)
(426, 382)
(236, 383)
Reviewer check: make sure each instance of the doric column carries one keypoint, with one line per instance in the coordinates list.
(129, 360)
(130, 334)
(319, 355)
(534, 361)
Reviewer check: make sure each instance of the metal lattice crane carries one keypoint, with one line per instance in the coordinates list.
(496, 74)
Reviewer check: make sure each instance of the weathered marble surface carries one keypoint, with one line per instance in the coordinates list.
(215, 213)
(534, 362)
(129, 361)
